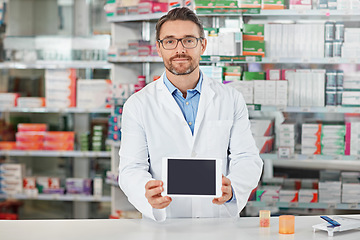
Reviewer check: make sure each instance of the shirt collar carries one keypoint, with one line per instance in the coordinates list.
(172, 88)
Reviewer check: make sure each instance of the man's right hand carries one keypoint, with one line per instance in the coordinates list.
(153, 190)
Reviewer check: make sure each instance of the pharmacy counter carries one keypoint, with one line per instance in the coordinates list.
(175, 229)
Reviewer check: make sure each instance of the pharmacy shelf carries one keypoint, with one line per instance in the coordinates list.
(344, 206)
(44, 153)
(136, 17)
(242, 59)
(125, 59)
(56, 110)
(56, 65)
(312, 60)
(327, 109)
(321, 13)
(58, 197)
(302, 161)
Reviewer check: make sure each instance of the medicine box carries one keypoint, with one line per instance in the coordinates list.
(88, 89)
(8, 100)
(30, 102)
(60, 88)
(253, 76)
(288, 195)
(253, 32)
(254, 48)
(308, 195)
(272, 4)
(262, 127)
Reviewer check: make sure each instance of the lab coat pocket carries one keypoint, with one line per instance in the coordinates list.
(218, 137)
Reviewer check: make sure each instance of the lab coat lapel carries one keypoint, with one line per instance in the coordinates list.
(206, 97)
(167, 100)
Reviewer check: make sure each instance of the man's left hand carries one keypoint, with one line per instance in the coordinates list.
(226, 192)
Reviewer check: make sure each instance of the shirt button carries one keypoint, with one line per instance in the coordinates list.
(190, 123)
(187, 103)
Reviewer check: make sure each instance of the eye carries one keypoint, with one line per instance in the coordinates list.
(169, 41)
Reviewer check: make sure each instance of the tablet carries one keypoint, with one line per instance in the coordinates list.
(192, 177)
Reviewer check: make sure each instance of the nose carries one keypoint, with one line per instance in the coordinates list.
(180, 48)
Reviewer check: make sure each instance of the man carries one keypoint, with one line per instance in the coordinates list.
(186, 114)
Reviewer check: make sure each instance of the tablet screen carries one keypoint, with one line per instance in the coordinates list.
(191, 177)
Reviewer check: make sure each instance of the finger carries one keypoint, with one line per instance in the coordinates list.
(225, 181)
(160, 202)
(218, 201)
(226, 190)
(153, 183)
(164, 204)
(153, 192)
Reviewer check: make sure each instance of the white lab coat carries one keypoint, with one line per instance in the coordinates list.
(154, 127)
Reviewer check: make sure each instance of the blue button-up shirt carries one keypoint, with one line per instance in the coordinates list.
(188, 105)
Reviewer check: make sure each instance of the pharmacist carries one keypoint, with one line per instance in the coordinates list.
(186, 114)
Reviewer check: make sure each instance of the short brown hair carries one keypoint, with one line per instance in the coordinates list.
(182, 13)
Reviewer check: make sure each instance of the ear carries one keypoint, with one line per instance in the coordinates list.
(203, 45)
(158, 48)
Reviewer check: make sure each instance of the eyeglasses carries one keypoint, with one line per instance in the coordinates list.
(172, 43)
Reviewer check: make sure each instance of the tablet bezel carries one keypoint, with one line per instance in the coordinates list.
(218, 175)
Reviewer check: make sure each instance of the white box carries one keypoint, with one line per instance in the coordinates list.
(351, 98)
(297, 89)
(8, 100)
(308, 195)
(318, 90)
(227, 43)
(93, 93)
(262, 127)
(30, 102)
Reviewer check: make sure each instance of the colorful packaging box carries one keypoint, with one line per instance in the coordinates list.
(247, 76)
(58, 145)
(249, 3)
(78, 186)
(253, 32)
(272, 4)
(26, 127)
(59, 136)
(300, 4)
(254, 48)
(60, 88)
(31, 136)
(6, 145)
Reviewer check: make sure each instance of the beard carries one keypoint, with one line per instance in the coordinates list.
(182, 70)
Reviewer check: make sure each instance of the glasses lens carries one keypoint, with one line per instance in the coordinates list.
(169, 43)
(189, 42)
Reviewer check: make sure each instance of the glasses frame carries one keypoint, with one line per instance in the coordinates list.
(180, 40)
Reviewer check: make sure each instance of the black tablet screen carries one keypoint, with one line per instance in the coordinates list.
(191, 177)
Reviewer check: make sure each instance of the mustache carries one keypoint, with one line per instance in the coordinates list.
(180, 56)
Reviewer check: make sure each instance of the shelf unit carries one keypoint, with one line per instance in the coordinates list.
(58, 197)
(247, 59)
(44, 153)
(342, 206)
(319, 162)
(55, 110)
(55, 65)
(299, 161)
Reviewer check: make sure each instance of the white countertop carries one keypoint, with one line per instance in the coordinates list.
(172, 229)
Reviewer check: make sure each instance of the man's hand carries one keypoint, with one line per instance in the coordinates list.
(153, 190)
(226, 192)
